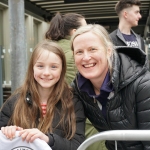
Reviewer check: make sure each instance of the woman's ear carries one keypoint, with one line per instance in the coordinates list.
(109, 52)
(72, 31)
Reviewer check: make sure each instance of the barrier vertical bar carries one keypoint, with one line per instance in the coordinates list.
(1, 79)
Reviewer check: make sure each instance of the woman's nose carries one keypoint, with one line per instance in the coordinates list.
(86, 56)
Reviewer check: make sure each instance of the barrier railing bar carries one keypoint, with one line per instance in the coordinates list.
(1, 79)
(115, 145)
(117, 135)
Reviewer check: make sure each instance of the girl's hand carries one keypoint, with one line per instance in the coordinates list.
(9, 131)
(31, 134)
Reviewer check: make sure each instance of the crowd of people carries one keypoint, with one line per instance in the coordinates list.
(80, 81)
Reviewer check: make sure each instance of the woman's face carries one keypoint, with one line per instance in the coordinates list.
(90, 56)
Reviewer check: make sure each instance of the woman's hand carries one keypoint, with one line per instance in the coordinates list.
(31, 134)
(9, 131)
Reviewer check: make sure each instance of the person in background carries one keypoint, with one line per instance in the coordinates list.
(61, 28)
(129, 16)
(113, 85)
(44, 106)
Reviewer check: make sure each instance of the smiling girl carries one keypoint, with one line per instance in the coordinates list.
(44, 106)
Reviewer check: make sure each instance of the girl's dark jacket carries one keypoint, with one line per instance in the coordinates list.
(128, 107)
(57, 141)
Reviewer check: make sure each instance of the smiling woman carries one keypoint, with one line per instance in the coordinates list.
(113, 87)
(44, 106)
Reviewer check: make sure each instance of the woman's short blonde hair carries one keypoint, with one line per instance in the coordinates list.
(102, 33)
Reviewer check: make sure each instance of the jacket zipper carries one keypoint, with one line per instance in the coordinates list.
(111, 95)
(95, 101)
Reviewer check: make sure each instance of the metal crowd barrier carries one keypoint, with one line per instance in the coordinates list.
(117, 135)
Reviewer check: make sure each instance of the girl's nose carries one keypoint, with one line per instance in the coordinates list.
(46, 71)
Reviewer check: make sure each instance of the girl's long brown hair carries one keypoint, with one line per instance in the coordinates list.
(26, 116)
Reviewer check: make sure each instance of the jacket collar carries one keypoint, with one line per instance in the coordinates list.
(128, 64)
(119, 34)
(86, 86)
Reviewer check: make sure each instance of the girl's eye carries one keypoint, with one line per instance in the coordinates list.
(40, 66)
(54, 66)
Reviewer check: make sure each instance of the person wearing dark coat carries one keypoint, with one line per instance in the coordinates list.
(113, 85)
(129, 15)
(118, 39)
(44, 106)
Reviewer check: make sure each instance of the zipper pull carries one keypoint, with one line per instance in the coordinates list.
(111, 95)
(98, 103)
(94, 99)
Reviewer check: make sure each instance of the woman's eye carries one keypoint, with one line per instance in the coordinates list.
(78, 52)
(92, 49)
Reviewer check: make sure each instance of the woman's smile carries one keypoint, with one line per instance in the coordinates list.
(89, 65)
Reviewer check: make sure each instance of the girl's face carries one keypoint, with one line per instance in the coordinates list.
(47, 69)
(90, 56)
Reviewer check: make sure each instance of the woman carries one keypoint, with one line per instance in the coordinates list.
(44, 106)
(113, 87)
(61, 29)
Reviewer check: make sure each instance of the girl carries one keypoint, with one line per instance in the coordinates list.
(44, 107)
